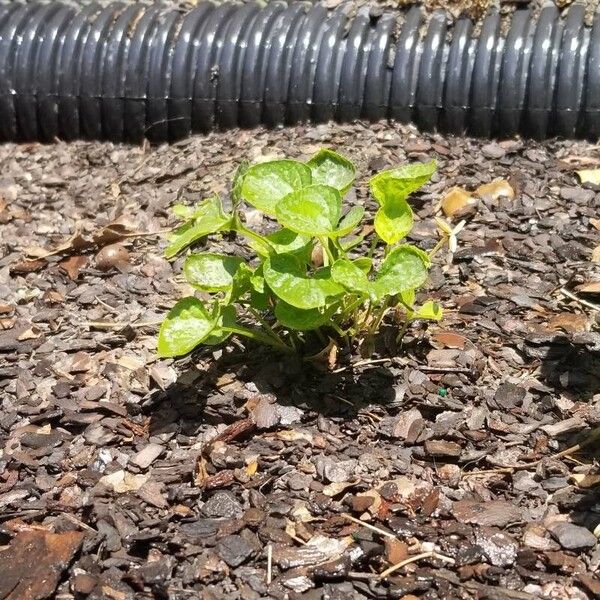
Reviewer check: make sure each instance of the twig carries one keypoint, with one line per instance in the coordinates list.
(581, 301)
(362, 363)
(415, 558)
(369, 526)
(111, 325)
(269, 564)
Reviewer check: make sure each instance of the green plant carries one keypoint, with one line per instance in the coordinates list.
(309, 277)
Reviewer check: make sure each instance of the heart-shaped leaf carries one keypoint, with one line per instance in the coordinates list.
(314, 210)
(288, 278)
(211, 272)
(329, 168)
(302, 320)
(265, 184)
(391, 185)
(404, 268)
(351, 276)
(349, 222)
(394, 221)
(208, 217)
(187, 325)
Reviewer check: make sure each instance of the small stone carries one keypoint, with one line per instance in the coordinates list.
(147, 455)
(399, 427)
(552, 484)
(499, 548)
(509, 395)
(335, 471)
(83, 583)
(234, 550)
(360, 504)
(395, 550)
(572, 537)
(442, 449)
(493, 150)
(223, 505)
(495, 513)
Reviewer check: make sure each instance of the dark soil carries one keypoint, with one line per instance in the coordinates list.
(122, 476)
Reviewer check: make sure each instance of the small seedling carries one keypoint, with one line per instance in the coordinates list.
(313, 278)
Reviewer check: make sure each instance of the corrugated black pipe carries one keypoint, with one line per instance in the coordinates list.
(126, 72)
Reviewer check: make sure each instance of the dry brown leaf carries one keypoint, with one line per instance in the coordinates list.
(73, 265)
(458, 202)
(593, 287)
(27, 266)
(326, 359)
(395, 550)
(75, 243)
(569, 322)
(449, 339)
(586, 481)
(496, 189)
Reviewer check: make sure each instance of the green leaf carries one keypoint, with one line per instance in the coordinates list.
(287, 276)
(404, 268)
(238, 180)
(265, 184)
(187, 325)
(314, 210)
(408, 298)
(285, 241)
(398, 183)
(333, 170)
(208, 217)
(227, 318)
(242, 283)
(351, 276)
(394, 221)
(301, 320)
(211, 272)
(364, 263)
(350, 221)
(431, 311)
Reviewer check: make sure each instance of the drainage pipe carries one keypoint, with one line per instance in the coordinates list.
(128, 72)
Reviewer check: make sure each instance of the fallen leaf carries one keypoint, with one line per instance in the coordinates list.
(592, 287)
(75, 243)
(326, 359)
(251, 468)
(33, 333)
(496, 189)
(569, 322)
(589, 176)
(395, 550)
(34, 561)
(27, 266)
(458, 202)
(122, 481)
(73, 265)
(449, 339)
(596, 254)
(6, 309)
(586, 481)
(595, 223)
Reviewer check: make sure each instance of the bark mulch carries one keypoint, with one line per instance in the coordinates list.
(235, 473)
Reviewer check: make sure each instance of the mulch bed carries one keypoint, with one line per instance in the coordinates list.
(235, 473)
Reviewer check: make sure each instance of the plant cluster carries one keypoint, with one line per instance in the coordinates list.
(309, 278)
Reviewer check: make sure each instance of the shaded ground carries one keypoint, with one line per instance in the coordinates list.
(176, 481)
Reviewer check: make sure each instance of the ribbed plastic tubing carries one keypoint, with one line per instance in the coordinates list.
(126, 72)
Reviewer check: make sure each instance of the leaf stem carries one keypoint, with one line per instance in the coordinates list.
(258, 336)
(268, 329)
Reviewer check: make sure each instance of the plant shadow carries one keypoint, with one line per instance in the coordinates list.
(218, 395)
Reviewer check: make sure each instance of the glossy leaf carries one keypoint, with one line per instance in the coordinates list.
(208, 217)
(351, 276)
(288, 279)
(238, 180)
(301, 320)
(187, 325)
(211, 272)
(404, 268)
(350, 221)
(227, 318)
(394, 221)
(284, 241)
(394, 184)
(265, 184)
(431, 311)
(332, 169)
(314, 210)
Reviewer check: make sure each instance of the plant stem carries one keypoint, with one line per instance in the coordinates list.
(268, 329)
(328, 257)
(240, 228)
(438, 246)
(261, 337)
